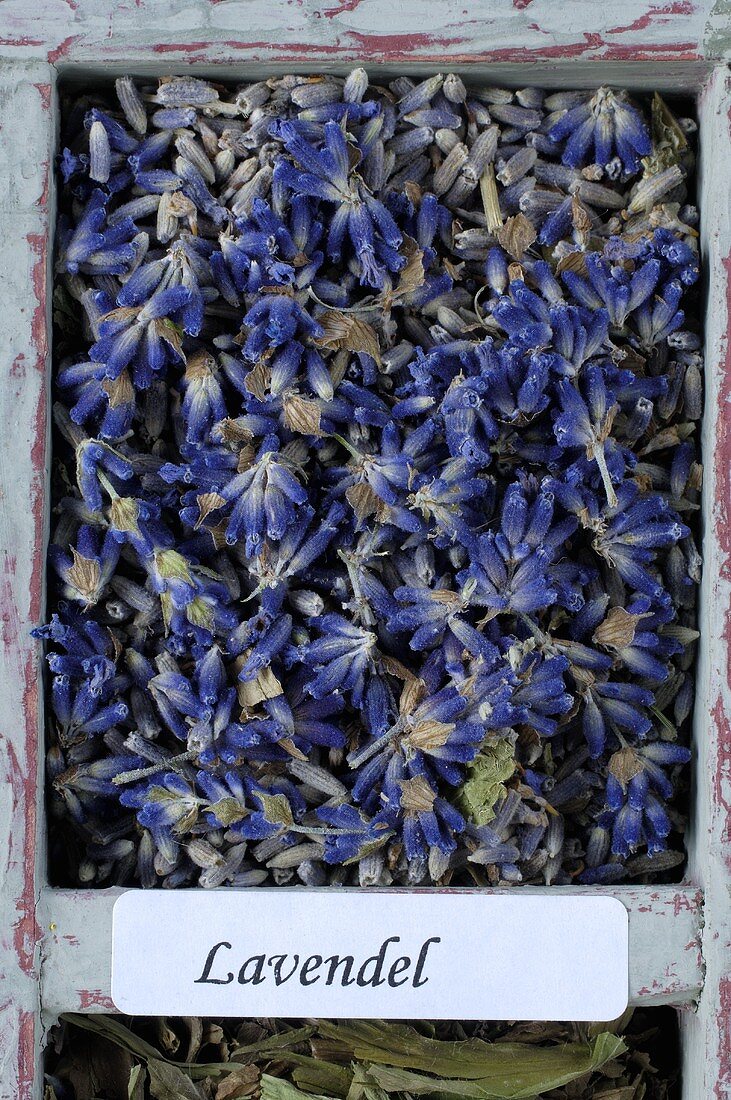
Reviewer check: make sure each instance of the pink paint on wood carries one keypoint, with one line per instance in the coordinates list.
(343, 6)
(358, 46)
(723, 1080)
(59, 51)
(38, 243)
(22, 40)
(645, 21)
(95, 1000)
(27, 1023)
(65, 30)
(722, 530)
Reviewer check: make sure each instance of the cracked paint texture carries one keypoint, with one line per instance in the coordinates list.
(505, 30)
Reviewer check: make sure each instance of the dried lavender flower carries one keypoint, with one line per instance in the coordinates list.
(376, 481)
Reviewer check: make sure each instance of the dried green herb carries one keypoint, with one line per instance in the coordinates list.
(484, 782)
(512, 1071)
(116, 1058)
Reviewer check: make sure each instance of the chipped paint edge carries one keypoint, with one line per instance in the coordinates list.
(517, 31)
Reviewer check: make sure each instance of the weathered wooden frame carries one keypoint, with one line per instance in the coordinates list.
(55, 944)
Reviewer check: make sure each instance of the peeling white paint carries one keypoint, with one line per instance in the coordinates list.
(504, 30)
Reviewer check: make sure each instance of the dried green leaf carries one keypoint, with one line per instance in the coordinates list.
(472, 1059)
(168, 1082)
(277, 1042)
(276, 809)
(316, 1075)
(99, 1067)
(228, 811)
(110, 1028)
(136, 1084)
(484, 781)
(512, 1071)
(277, 1088)
(199, 613)
(624, 1092)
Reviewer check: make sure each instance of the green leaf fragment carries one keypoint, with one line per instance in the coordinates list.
(510, 1070)
(136, 1084)
(228, 811)
(277, 1088)
(665, 723)
(167, 1082)
(280, 1041)
(510, 1075)
(276, 808)
(485, 781)
(313, 1075)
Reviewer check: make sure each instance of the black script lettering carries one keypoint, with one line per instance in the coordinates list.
(422, 960)
(256, 977)
(398, 968)
(308, 966)
(335, 961)
(278, 967)
(205, 976)
(378, 960)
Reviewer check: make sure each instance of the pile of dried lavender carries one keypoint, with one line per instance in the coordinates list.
(375, 452)
(114, 1058)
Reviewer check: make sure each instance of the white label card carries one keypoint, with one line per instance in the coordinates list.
(378, 953)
